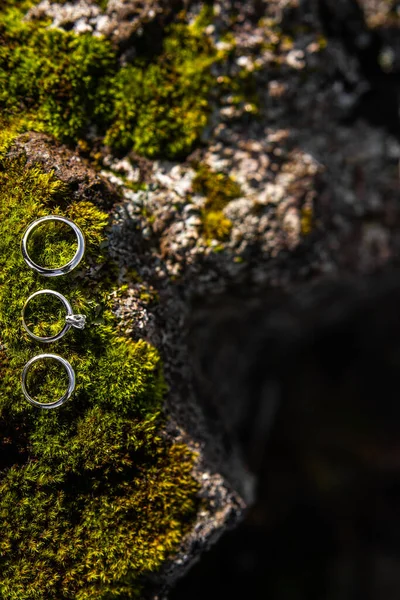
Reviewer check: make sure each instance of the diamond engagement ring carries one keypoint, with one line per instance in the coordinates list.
(71, 319)
(59, 270)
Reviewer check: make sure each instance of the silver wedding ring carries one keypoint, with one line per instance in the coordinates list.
(71, 319)
(60, 270)
(64, 397)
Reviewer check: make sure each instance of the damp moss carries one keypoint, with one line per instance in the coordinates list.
(73, 86)
(92, 495)
(219, 189)
(215, 226)
(306, 220)
(52, 80)
(161, 104)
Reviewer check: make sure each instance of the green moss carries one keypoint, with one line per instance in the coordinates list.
(8, 132)
(219, 189)
(92, 496)
(244, 92)
(55, 81)
(306, 220)
(205, 18)
(215, 225)
(161, 105)
(22, 5)
(61, 83)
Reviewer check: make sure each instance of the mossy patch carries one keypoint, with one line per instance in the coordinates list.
(161, 105)
(215, 226)
(72, 86)
(92, 496)
(51, 80)
(219, 189)
(306, 220)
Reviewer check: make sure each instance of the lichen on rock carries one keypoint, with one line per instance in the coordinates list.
(219, 189)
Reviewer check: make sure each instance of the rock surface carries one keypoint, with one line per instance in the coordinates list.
(304, 120)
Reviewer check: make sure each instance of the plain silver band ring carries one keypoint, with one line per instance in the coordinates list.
(67, 326)
(64, 397)
(60, 270)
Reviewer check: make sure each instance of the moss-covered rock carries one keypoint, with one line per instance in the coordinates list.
(93, 496)
(100, 493)
(73, 86)
(219, 189)
(161, 106)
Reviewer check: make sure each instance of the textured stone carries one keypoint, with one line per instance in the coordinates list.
(317, 165)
